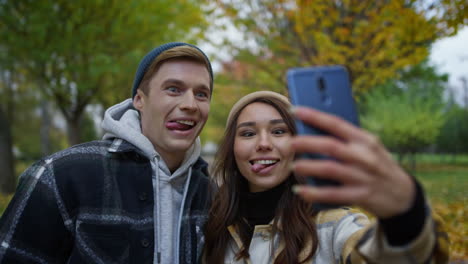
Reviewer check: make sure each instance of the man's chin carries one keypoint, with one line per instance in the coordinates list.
(181, 145)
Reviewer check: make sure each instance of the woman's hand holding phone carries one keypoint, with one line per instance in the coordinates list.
(370, 177)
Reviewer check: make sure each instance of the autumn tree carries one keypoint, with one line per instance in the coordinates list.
(82, 52)
(230, 85)
(374, 39)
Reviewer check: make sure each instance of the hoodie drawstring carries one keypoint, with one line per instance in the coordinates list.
(158, 214)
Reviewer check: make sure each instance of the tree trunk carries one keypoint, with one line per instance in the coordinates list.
(7, 175)
(74, 130)
(45, 129)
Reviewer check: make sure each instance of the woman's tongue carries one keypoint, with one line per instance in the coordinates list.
(256, 167)
(177, 126)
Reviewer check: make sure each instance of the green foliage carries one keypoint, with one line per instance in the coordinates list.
(454, 134)
(82, 52)
(407, 113)
(403, 124)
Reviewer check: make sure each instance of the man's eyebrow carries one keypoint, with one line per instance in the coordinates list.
(182, 83)
(174, 81)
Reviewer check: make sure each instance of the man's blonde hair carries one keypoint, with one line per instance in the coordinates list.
(180, 52)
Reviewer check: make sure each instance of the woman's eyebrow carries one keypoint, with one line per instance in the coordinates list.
(277, 121)
(273, 121)
(245, 124)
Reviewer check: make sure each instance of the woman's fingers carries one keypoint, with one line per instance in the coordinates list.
(332, 195)
(339, 128)
(329, 169)
(369, 158)
(329, 123)
(371, 178)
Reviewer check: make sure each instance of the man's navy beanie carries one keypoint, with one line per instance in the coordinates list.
(148, 59)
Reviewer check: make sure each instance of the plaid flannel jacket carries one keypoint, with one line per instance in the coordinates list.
(93, 203)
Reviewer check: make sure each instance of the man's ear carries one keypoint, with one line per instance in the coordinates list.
(139, 100)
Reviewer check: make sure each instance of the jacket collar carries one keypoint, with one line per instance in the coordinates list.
(119, 145)
(122, 146)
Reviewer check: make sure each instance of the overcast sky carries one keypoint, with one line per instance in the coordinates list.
(450, 55)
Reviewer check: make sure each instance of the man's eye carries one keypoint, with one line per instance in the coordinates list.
(201, 94)
(172, 89)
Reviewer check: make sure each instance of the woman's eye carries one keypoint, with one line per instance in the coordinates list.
(247, 134)
(279, 131)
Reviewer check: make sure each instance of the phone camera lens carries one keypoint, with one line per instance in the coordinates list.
(321, 84)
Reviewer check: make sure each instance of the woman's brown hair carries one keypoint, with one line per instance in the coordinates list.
(296, 230)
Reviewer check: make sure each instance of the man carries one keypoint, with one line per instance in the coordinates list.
(140, 195)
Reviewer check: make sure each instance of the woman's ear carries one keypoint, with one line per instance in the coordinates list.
(139, 100)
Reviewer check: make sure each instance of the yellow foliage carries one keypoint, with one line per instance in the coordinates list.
(374, 39)
(455, 219)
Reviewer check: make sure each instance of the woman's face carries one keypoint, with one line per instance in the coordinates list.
(261, 146)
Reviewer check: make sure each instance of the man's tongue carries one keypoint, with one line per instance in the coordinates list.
(177, 126)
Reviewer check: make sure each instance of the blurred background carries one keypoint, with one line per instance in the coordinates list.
(62, 63)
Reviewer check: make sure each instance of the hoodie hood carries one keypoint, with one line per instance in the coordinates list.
(123, 121)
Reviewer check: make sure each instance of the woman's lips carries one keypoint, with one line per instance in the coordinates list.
(262, 168)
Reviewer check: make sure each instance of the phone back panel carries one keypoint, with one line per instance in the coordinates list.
(326, 89)
(323, 88)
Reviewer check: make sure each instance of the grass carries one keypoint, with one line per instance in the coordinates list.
(446, 186)
(442, 159)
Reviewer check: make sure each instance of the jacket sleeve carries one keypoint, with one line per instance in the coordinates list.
(32, 229)
(370, 245)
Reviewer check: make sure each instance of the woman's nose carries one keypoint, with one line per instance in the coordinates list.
(264, 142)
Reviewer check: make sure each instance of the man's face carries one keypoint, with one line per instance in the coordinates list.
(176, 107)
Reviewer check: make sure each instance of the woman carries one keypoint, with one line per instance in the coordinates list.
(256, 217)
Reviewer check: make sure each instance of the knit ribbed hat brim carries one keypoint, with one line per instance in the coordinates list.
(249, 98)
(149, 58)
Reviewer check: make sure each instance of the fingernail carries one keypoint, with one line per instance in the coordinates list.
(292, 110)
(296, 188)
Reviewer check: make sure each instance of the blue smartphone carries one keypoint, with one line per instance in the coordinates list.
(327, 89)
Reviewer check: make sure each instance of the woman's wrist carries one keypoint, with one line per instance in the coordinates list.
(405, 227)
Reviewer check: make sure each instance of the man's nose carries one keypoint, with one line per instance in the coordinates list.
(188, 102)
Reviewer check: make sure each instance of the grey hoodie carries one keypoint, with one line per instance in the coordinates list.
(122, 121)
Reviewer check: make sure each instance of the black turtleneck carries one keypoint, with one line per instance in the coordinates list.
(259, 208)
